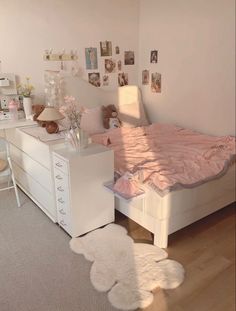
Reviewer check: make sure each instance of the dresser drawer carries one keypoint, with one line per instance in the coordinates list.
(33, 147)
(38, 172)
(60, 164)
(64, 222)
(38, 193)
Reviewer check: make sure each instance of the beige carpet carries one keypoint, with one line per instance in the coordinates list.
(38, 271)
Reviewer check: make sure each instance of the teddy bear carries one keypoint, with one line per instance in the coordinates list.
(37, 109)
(110, 117)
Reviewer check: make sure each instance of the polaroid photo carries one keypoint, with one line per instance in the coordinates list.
(110, 65)
(156, 82)
(123, 79)
(129, 58)
(91, 58)
(119, 65)
(154, 57)
(94, 78)
(145, 77)
(106, 48)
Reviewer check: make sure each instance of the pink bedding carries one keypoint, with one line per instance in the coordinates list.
(166, 156)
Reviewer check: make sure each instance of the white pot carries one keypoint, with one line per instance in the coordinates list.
(27, 105)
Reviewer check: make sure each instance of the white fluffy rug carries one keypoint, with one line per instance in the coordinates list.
(128, 270)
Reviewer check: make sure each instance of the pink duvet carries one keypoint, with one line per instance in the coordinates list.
(166, 156)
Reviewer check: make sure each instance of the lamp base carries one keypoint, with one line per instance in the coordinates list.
(52, 127)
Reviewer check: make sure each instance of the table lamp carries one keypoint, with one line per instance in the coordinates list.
(50, 115)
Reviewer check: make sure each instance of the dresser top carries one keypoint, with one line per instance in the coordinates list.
(69, 153)
(7, 124)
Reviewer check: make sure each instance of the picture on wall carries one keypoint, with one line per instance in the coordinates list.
(91, 58)
(156, 82)
(119, 65)
(129, 58)
(110, 65)
(117, 50)
(122, 79)
(105, 80)
(145, 77)
(106, 48)
(154, 56)
(94, 78)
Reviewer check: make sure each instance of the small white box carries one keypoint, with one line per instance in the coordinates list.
(4, 82)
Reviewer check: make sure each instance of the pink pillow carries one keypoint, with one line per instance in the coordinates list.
(91, 121)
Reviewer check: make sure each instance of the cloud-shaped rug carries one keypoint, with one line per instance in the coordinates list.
(128, 271)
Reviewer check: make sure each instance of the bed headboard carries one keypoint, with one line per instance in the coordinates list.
(88, 95)
(126, 98)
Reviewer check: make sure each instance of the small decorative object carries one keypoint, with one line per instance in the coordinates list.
(123, 79)
(106, 48)
(25, 90)
(117, 50)
(53, 88)
(91, 58)
(73, 113)
(154, 56)
(51, 114)
(128, 185)
(94, 79)
(156, 82)
(110, 65)
(105, 80)
(145, 77)
(119, 65)
(110, 117)
(13, 109)
(129, 58)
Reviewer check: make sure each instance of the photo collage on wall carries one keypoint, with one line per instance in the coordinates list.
(112, 64)
(155, 76)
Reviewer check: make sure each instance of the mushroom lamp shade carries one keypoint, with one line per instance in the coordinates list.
(51, 114)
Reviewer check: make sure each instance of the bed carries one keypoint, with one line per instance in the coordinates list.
(158, 213)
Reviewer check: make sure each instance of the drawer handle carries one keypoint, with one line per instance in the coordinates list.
(61, 200)
(59, 164)
(62, 223)
(58, 177)
(60, 189)
(62, 211)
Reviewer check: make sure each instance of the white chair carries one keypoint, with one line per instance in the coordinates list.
(6, 169)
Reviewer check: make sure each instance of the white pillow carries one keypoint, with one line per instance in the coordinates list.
(91, 121)
(130, 107)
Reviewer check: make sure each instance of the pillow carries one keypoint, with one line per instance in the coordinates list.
(91, 121)
(131, 110)
(132, 115)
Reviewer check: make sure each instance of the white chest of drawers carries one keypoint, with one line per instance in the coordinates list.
(32, 163)
(82, 202)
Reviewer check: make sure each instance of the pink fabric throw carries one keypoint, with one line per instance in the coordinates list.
(167, 156)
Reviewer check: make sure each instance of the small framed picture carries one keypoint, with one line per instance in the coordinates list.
(156, 82)
(154, 56)
(106, 48)
(110, 65)
(94, 79)
(129, 57)
(105, 80)
(117, 50)
(91, 58)
(122, 79)
(145, 77)
(119, 65)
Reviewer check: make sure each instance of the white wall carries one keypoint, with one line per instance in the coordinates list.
(28, 27)
(196, 43)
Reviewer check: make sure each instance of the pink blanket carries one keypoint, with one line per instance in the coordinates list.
(166, 156)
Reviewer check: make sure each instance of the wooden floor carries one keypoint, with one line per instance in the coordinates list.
(206, 249)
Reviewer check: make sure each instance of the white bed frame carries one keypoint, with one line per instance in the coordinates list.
(160, 215)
